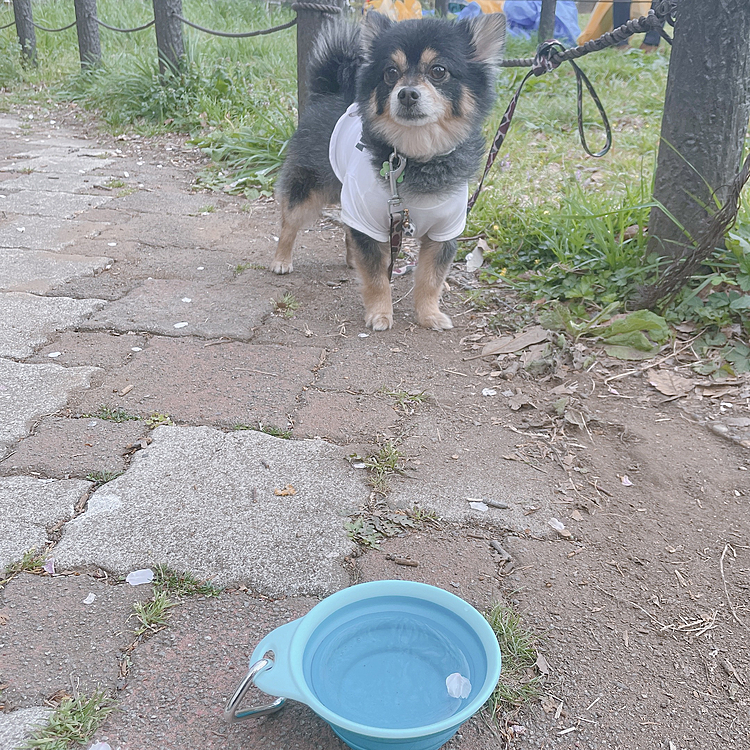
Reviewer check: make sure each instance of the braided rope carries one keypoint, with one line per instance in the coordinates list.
(44, 28)
(320, 7)
(236, 35)
(126, 31)
(653, 20)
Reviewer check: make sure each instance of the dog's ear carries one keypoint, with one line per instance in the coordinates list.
(487, 34)
(373, 25)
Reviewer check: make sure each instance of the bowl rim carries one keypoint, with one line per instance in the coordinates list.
(412, 589)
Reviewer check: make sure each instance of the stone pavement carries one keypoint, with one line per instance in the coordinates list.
(166, 400)
(125, 297)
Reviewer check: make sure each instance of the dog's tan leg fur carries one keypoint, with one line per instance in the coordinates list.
(350, 250)
(376, 289)
(292, 220)
(432, 270)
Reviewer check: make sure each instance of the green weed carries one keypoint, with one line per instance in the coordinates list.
(286, 305)
(153, 614)
(518, 684)
(269, 429)
(113, 184)
(31, 562)
(406, 401)
(74, 722)
(102, 477)
(171, 582)
(384, 464)
(158, 420)
(112, 414)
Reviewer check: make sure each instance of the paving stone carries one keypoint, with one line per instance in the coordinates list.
(454, 467)
(28, 506)
(58, 641)
(59, 160)
(45, 232)
(225, 385)
(66, 182)
(29, 321)
(343, 417)
(186, 674)
(28, 392)
(63, 447)
(96, 348)
(50, 203)
(9, 123)
(203, 501)
(39, 271)
(16, 727)
(157, 306)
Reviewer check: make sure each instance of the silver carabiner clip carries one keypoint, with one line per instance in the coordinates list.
(231, 714)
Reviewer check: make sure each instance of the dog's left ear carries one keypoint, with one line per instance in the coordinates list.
(487, 34)
(373, 25)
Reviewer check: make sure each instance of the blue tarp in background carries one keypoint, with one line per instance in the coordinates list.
(523, 18)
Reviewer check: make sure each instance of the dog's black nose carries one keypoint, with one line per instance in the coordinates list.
(408, 96)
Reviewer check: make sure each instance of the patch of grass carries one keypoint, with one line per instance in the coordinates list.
(157, 420)
(269, 429)
(102, 477)
(170, 582)
(154, 613)
(408, 401)
(286, 305)
(383, 465)
(112, 414)
(125, 192)
(114, 184)
(74, 722)
(30, 562)
(209, 208)
(519, 683)
(242, 267)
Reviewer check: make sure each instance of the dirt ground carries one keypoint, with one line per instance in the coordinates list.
(641, 605)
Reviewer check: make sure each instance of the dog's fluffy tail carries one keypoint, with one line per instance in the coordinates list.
(335, 61)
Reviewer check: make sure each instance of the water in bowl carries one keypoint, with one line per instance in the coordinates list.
(384, 662)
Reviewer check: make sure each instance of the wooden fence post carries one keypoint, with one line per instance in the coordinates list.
(309, 24)
(547, 21)
(89, 46)
(706, 114)
(25, 29)
(168, 33)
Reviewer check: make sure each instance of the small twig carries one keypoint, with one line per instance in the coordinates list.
(726, 591)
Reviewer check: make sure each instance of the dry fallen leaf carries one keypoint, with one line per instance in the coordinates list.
(519, 400)
(510, 344)
(670, 384)
(288, 490)
(541, 664)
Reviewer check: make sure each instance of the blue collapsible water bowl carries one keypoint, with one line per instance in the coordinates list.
(372, 660)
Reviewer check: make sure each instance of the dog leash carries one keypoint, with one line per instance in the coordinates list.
(543, 64)
(393, 169)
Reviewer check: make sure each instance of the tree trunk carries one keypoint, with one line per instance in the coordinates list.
(89, 47)
(547, 20)
(705, 120)
(309, 25)
(168, 34)
(441, 7)
(25, 29)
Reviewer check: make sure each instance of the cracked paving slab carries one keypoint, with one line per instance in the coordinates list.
(174, 307)
(39, 271)
(207, 502)
(17, 726)
(50, 203)
(64, 639)
(29, 506)
(46, 233)
(28, 392)
(29, 321)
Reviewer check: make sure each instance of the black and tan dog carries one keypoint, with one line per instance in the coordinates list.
(419, 90)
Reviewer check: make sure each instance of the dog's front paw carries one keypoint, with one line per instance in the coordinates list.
(436, 320)
(379, 321)
(281, 267)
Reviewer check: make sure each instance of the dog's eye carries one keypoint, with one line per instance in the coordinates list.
(437, 72)
(391, 75)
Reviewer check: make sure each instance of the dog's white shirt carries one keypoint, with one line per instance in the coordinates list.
(365, 193)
